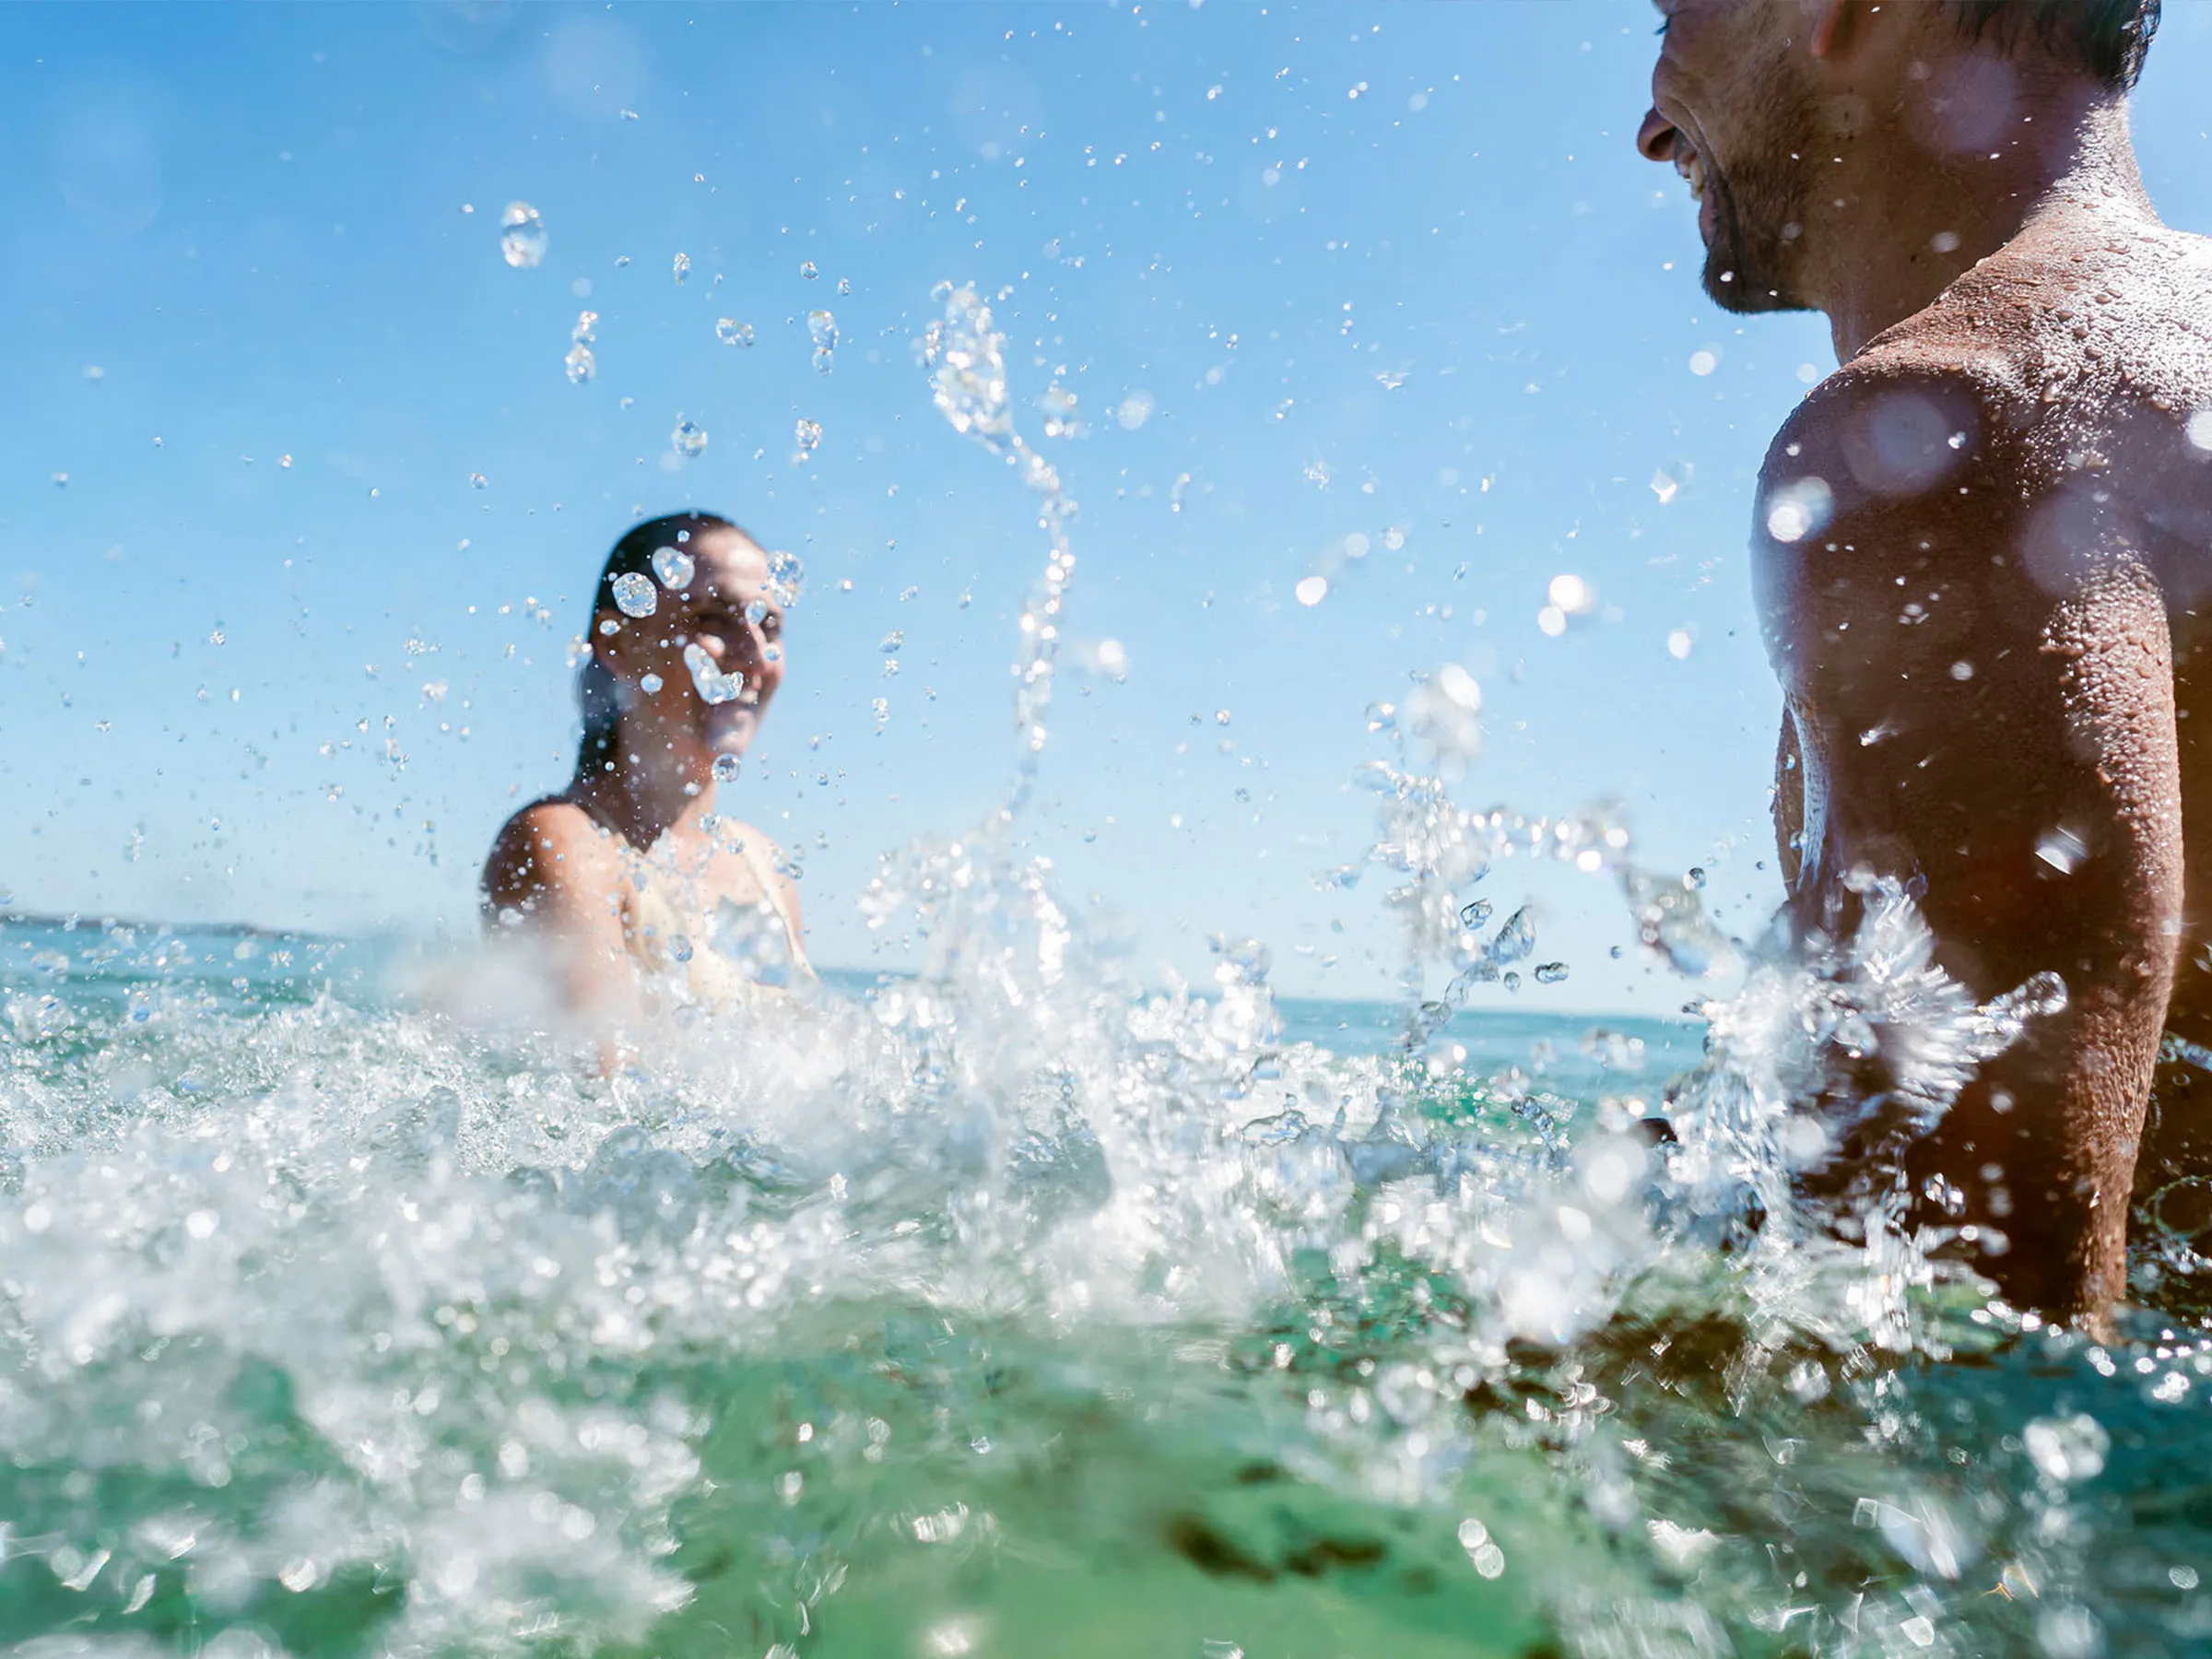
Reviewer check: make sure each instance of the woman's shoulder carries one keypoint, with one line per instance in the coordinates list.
(552, 844)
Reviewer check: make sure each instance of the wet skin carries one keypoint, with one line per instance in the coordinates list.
(1982, 557)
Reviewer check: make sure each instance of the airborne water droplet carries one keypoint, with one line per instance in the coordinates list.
(725, 769)
(522, 236)
(786, 578)
(731, 332)
(650, 683)
(808, 435)
(674, 566)
(1474, 913)
(707, 679)
(682, 266)
(634, 595)
(1550, 974)
(808, 270)
(688, 439)
(580, 364)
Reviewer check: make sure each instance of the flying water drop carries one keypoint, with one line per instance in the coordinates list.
(522, 236)
(725, 769)
(650, 684)
(808, 435)
(688, 439)
(822, 327)
(682, 267)
(808, 270)
(635, 595)
(731, 332)
(674, 566)
(580, 364)
(707, 679)
(786, 578)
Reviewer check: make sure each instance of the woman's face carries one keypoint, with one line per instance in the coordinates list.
(718, 637)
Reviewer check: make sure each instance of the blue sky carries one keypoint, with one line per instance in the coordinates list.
(1383, 272)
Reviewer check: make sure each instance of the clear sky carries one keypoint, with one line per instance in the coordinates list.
(291, 638)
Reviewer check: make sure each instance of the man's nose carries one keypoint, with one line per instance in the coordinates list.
(1655, 138)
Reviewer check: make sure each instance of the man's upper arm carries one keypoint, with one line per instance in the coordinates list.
(1978, 669)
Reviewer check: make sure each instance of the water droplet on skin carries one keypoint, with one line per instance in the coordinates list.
(682, 267)
(674, 566)
(522, 236)
(1796, 510)
(635, 595)
(651, 684)
(725, 769)
(731, 332)
(686, 439)
(808, 270)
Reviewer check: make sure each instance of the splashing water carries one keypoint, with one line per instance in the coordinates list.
(966, 359)
(822, 327)
(731, 332)
(1010, 1306)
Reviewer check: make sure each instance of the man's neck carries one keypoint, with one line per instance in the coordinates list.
(1911, 223)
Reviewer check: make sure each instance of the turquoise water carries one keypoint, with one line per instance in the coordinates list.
(343, 1311)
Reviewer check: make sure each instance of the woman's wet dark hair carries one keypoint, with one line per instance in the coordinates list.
(596, 695)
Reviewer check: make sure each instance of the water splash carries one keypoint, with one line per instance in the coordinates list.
(965, 356)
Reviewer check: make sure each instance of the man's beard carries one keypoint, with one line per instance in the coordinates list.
(1752, 203)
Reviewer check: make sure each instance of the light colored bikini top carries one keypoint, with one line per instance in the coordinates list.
(734, 954)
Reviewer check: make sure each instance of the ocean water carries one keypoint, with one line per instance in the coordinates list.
(1009, 1310)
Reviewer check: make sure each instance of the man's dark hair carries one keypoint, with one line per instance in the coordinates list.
(2110, 36)
(632, 556)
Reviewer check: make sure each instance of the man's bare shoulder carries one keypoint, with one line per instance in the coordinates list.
(1908, 418)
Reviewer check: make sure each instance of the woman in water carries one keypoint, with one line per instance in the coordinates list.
(639, 895)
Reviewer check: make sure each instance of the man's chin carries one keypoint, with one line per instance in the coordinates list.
(1726, 286)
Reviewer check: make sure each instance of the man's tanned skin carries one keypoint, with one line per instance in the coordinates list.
(1984, 556)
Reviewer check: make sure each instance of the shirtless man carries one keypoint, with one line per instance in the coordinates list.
(1982, 548)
